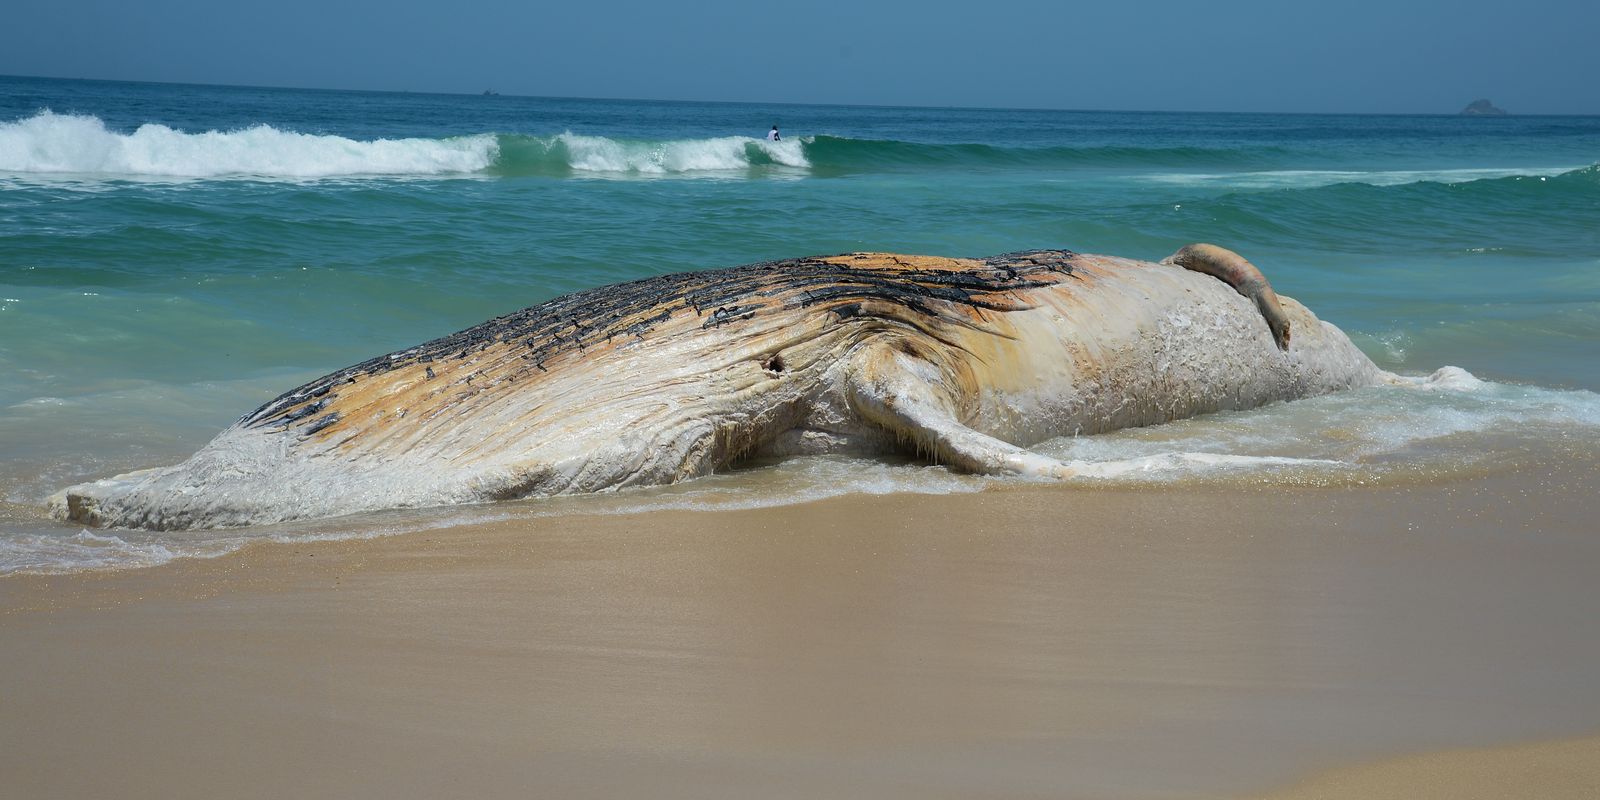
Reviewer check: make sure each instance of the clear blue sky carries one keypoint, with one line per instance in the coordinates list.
(1528, 56)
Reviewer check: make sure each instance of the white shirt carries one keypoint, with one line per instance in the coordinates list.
(772, 135)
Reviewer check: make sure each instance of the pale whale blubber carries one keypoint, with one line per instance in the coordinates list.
(962, 361)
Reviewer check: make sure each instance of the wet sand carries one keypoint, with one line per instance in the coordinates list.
(1561, 769)
(1029, 642)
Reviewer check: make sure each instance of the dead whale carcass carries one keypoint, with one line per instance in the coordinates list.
(964, 361)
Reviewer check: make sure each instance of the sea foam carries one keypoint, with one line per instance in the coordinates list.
(79, 145)
(1404, 428)
(45, 553)
(1310, 179)
(50, 143)
(601, 154)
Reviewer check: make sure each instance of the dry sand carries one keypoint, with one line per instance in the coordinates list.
(1038, 641)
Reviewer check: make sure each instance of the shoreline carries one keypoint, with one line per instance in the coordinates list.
(1022, 641)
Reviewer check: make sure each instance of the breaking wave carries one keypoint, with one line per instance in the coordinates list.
(50, 143)
(83, 146)
(570, 153)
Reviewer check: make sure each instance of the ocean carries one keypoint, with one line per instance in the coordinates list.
(171, 256)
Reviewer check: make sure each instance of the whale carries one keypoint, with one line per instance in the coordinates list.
(960, 362)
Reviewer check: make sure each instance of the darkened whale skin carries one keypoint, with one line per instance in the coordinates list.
(669, 378)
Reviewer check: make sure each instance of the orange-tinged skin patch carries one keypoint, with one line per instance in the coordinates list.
(457, 374)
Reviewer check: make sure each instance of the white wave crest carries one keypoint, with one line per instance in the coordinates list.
(1451, 378)
(601, 154)
(49, 143)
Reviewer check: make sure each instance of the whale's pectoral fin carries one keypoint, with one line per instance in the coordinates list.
(1231, 268)
(905, 395)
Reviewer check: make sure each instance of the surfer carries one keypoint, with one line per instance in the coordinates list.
(772, 135)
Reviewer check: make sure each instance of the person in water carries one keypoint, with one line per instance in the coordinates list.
(772, 135)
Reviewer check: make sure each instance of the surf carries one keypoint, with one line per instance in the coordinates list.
(49, 144)
(569, 154)
(70, 144)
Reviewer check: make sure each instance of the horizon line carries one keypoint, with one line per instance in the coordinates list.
(490, 92)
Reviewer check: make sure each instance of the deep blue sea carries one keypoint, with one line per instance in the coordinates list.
(173, 255)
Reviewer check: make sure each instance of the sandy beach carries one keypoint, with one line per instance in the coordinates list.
(1032, 641)
(650, 401)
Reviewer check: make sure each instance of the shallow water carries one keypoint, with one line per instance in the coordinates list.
(171, 256)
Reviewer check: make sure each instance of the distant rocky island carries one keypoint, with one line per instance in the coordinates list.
(1482, 108)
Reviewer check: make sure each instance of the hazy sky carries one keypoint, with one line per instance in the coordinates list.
(1528, 56)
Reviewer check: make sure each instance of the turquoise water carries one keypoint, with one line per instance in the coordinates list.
(170, 256)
